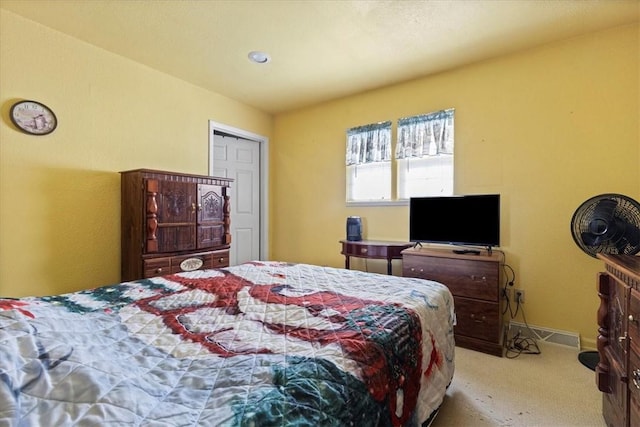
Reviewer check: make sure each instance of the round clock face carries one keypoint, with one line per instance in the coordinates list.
(33, 117)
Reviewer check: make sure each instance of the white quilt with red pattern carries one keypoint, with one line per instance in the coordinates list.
(258, 344)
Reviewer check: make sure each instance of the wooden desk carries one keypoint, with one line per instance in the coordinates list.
(373, 249)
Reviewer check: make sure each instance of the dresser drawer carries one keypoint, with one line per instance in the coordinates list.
(477, 319)
(466, 278)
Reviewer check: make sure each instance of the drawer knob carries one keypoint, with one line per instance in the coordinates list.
(159, 270)
(477, 319)
(631, 318)
(363, 250)
(635, 375)
(623, 338)
(221, 260)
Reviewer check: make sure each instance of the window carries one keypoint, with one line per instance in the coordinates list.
(422, 166)
(369, 162)
(424, 153)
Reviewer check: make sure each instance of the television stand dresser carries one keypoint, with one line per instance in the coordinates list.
(618, 369)
(474, 281)
(173, 222)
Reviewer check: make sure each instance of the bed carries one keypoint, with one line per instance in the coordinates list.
(258, 344)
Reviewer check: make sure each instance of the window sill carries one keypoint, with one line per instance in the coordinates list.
(404, 202)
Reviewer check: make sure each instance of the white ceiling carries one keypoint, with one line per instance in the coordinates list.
(320, 50)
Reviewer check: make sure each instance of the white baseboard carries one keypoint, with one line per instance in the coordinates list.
(570, 339)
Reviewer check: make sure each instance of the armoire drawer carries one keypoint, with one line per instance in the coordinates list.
(157, 267)
(188, 262)
(220, 259)
(191, 262)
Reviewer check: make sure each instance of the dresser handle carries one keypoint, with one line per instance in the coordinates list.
(480, 320)
(622, 339)
(635, 375)
(478, 278)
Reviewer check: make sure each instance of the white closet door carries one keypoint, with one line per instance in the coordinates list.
(239, 159)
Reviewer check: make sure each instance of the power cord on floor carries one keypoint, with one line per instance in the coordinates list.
(520, 344)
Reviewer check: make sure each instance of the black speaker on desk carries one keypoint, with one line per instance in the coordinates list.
(354, 228)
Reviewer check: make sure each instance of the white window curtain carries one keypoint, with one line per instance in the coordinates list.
(368, 162)
(369, 143)
(424, 153)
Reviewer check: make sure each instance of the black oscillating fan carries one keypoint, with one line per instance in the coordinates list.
(610, 224)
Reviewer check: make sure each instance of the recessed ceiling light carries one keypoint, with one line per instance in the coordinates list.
(259, 57)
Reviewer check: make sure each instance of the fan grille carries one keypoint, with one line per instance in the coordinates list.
(608, 223)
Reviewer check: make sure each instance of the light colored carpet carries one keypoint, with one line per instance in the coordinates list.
(549, 389)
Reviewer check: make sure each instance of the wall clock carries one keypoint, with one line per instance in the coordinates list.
(33, 117)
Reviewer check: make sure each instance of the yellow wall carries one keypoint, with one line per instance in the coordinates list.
(60, 193)
(546, 128)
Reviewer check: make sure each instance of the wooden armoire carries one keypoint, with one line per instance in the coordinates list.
(618, 369)
(173, 222)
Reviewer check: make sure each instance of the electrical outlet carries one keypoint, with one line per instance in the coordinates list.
(519, 296)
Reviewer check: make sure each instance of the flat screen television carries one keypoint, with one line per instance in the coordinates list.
(472, 220)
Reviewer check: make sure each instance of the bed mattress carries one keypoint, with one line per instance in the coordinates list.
(258, 344)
